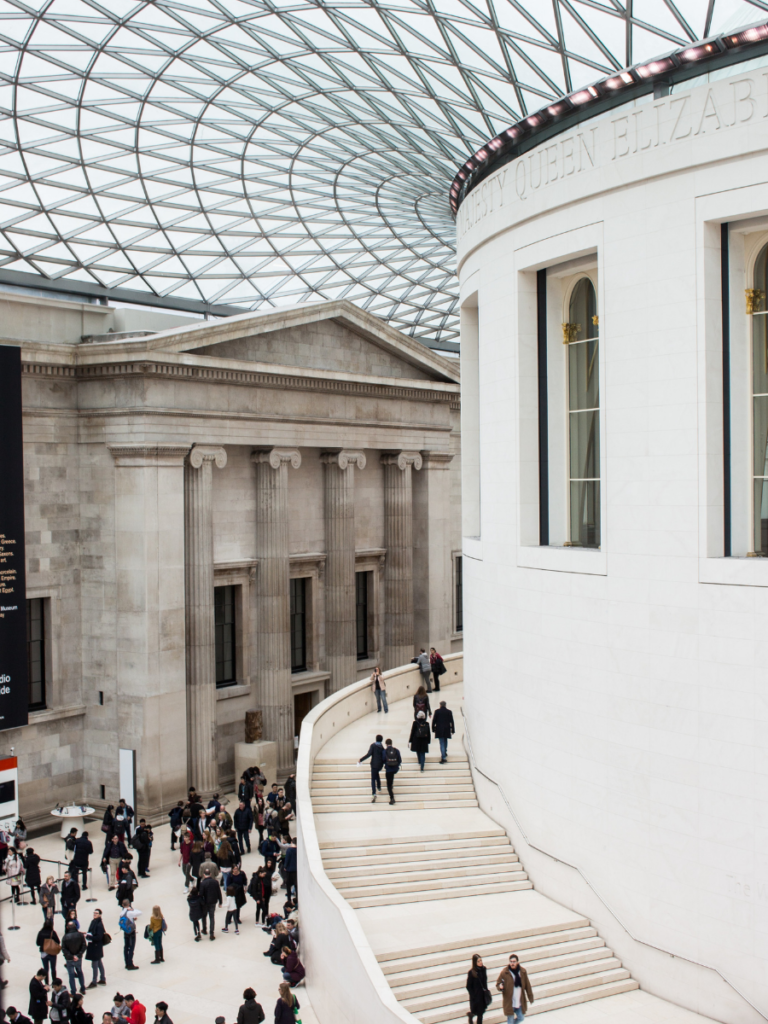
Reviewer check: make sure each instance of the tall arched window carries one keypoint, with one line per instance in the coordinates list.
(581, 336)
(760, 402)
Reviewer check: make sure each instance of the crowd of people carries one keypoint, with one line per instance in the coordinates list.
(211, 845)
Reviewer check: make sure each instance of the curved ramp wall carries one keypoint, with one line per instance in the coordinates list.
(344, 980)
(619, 696)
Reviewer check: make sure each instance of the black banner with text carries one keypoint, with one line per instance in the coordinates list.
(14, 689)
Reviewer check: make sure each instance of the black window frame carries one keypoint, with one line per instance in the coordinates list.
(37, 675)
(299, 596)
(362, 614)
(225, 629)
(458, 592)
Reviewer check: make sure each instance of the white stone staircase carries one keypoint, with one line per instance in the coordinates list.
(568, 962)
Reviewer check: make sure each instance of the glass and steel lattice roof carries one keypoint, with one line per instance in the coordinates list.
(258, 153)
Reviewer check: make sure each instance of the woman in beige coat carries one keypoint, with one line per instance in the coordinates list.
(379, 687)
(515, 988)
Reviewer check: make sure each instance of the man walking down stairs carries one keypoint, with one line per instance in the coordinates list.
(434, 880)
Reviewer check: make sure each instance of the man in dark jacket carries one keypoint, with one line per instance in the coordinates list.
(210, 893)
(60, 1003)
(15, 1017)
(392, 761)
(376, 754)
(290, 789)
(443, 728)
(70, 894)
(83, 850)
(73, 946)
(270, 847)
(245, 790)
(242, 819)
(291, 869)
(38, 997)
(176, 814)
(124, 815)
(142, 844)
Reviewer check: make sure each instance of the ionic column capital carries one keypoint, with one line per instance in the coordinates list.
(402, 459)
(346, 457)
(207, 453)
(275, 457)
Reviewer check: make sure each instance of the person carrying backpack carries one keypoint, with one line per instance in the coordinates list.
(421, 703)
(420, 737)
(392, 762)
(127, 924)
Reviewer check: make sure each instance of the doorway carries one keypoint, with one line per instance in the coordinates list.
(302, 705)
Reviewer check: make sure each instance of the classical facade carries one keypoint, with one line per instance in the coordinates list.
(220, 515)
(613, 279)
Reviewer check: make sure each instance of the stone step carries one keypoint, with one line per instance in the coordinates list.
(409, 759)
(568, 931)
(404, 782)
(404, 795)
(424, 996)
(386, 842)
(437, 771)
(384, 805)
(585, 951)
(393, 899)
(394, 865)
(569, 994)
(416, 879)
(377, 853)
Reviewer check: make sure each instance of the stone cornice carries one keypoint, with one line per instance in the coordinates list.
(438, 392)
(147, 454)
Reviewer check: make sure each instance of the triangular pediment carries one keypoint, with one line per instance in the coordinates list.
(337, 337)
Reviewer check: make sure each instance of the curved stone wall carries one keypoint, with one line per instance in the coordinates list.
(619, 696)
(344, 979)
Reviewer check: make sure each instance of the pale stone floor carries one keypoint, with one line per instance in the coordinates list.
(199, 980)
(470, 917)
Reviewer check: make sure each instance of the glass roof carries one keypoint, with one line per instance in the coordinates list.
(261, 153)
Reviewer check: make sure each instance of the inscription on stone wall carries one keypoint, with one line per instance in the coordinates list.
(649, 126)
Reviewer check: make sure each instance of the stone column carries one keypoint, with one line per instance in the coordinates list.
(340, 632)
(432, 569)
(149, 618)
(398, 569)
(202, 766)
(272, 598)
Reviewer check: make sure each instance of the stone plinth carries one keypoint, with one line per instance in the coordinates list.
(261, 755)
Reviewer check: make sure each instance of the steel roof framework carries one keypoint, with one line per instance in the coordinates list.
(256, 153)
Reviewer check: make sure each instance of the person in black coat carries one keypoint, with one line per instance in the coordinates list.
(443, 728)
(477, 987)
(49, 959)
(419, 739)
(250, 1012)
(95, 952)
(210, 893)
(242, 819)
(70, 894)
(376, 754)
(38, 997)
(196, 910)
(15, 1017)
(83, 850)
(32, 872)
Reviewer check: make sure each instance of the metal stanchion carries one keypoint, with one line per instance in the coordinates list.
(91, 899)
(14, 927)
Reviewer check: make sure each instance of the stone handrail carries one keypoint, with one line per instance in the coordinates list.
(344, 980)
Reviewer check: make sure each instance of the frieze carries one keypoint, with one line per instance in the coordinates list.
(242, 378)
(632, 130)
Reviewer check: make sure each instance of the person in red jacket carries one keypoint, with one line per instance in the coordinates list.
(138, 1012)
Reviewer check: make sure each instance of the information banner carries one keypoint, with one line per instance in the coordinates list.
(14, 689)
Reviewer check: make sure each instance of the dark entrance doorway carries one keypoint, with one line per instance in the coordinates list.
(302, 705)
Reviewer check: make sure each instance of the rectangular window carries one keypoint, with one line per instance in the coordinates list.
(581, 338)
(299, 624)
(459, 593)
(224, 618)
(362, 587)
(36, 652)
